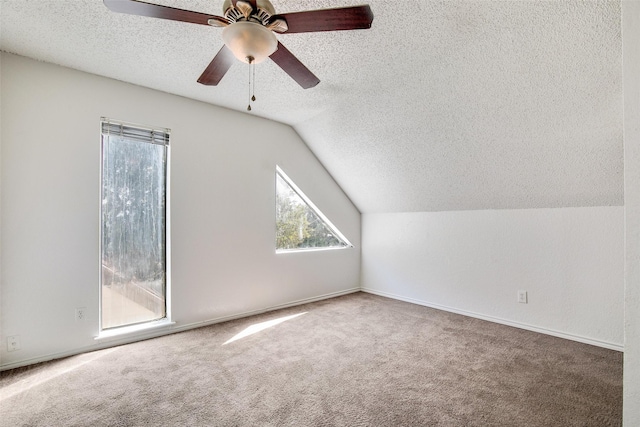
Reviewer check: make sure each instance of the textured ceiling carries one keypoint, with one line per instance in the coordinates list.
(441, 105)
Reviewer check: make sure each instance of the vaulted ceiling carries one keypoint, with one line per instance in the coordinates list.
(441, 105)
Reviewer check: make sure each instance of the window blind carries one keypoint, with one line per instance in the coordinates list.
(153, 136)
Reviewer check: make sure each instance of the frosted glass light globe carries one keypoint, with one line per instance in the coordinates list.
(249, 40)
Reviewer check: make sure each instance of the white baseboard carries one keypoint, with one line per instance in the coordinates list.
(255, 312)
(578, 338)
(173, 328)
(169, 328)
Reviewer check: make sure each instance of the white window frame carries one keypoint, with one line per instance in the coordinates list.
(314, 208)
(155, 323)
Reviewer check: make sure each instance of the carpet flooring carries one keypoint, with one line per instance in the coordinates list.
(356, 360)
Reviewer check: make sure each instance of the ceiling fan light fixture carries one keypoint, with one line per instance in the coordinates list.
(248, 33)
(249, 40)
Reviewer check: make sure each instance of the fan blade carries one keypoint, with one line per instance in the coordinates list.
(218, 67)
(292, 66)
(345, 18)
(136, 7)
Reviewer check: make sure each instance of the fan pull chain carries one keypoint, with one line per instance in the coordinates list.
(252, 78)
(253, 90)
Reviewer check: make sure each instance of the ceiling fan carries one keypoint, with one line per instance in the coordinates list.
(248, 34)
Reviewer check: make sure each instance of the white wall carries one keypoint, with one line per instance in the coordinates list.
(569, 260)
(631, 72)
(222, 208)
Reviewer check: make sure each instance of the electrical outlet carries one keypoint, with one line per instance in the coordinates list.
(81, 313)
(522, 297)
(13, 343)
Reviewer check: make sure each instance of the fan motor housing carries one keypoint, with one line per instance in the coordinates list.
(265, 5)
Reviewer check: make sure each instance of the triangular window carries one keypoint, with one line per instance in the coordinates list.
(299, 223)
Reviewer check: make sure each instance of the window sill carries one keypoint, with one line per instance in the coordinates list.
(134, 329)
(291, 251)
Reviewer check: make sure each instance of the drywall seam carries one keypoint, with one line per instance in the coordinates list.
(578, 338)
(108, 342)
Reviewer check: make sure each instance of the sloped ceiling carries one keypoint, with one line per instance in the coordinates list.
(441, 105)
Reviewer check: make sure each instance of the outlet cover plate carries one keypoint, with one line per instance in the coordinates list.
(522, 297)
(13, 343)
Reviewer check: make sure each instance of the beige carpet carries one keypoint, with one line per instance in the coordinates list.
(357, 360)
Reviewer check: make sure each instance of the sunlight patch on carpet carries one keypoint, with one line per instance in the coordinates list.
(41, 376)
(254, 329)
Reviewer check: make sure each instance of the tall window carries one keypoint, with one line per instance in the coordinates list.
(299, 223)
(134, 231)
